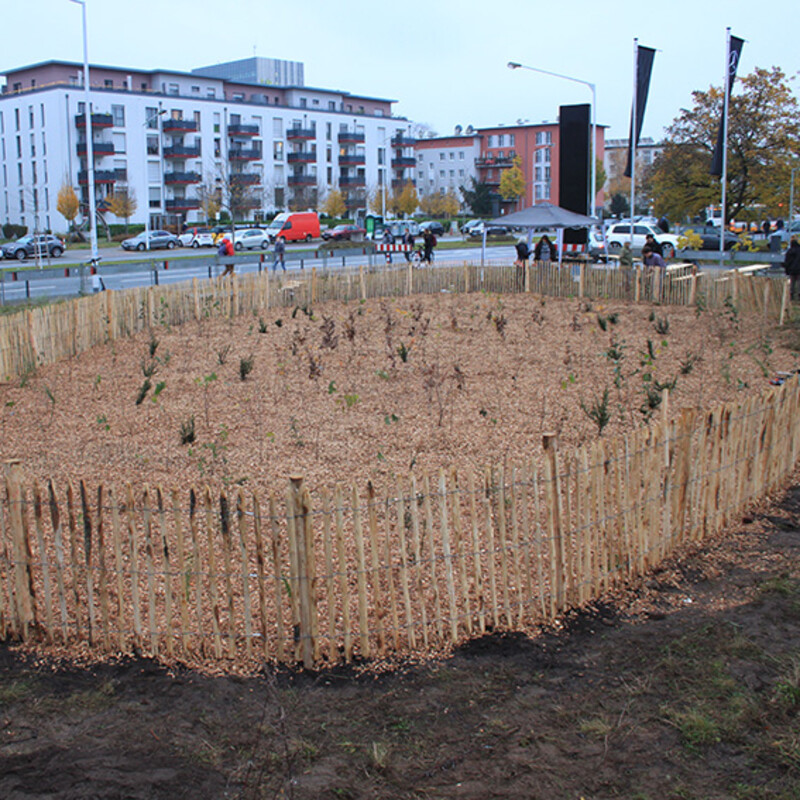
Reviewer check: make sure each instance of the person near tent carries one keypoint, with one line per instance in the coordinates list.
(545, 250)
(791, 266)
(429, 242)
(523, 254)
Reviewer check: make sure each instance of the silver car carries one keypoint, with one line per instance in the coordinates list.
(156, 239)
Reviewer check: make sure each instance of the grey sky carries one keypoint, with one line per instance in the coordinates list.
(443, 61)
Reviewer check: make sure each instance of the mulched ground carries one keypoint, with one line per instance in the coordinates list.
(375, 389)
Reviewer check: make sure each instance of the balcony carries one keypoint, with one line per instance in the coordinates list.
(302, 158)
(245, 178)
(243, 154)
(98, 121)
(182, 204)
(403, 162)
(178, 178)
(352, 160)
(301, 133)
(352, 180)
(100, 176)
(178, 151)
(99, 149)
(494, 162)
(351, 137)
(403, 141)
(242, 130)
(399, 183)
(179, 126)
(302, 180)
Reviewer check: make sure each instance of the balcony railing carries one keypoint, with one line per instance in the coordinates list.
(403, 141)
(242, 154)
(302, 158)
(352, 180)
(182, 204)
(99, 149)
(398, 183)
(351, 137)
(403, 162)
(494, 162)
(100, 176)
(178, 151)
(302, 180)
(172, 178)
(98, 120)
(301, 133)
(242, 130)
(179, 125)
(246, 178)
(352, 160)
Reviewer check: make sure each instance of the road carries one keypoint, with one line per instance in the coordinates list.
(121, 270)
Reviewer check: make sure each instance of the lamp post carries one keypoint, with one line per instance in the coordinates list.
(593, 88)
(89, 144)
(791, 199)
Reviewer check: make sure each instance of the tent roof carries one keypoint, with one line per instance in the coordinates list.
(545, 215)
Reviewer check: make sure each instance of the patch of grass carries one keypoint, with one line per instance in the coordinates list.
(781, 584)
(595, 728)
(16, 689)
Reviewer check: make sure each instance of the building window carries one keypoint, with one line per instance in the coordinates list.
(303, 102)
(511, 139)
(277, 127)
(119, 142)
(238, 96)
(152, 145)
(30, 116)
(19, 147)
(441, 156)
(33, 146)
(544, 137)
(211, 92)
(118, 114)
(154, 197)
(108, 83)
(151, 117)
(195, 90)
(172, 88)
(277, 151)
(197, 119)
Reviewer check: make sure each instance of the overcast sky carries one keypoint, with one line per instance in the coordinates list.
(444, 61)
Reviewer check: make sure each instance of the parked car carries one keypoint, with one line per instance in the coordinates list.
(620, 232)
(476, 232)
(597, 246)
(467, 227)
(197, 237)
(344, 232)
(250, 239)
(27, 246)
(710, 236)
(157, 239)
(436, 228)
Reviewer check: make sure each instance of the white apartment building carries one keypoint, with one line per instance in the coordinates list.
(169, 138)
(447, 162)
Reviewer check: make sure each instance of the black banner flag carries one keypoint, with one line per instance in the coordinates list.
(734, 51)
(644, 66)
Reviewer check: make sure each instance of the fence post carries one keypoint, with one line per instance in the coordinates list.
(313, 285)
(410, 279)
(784, 301)
(637, 277)
(550, 445)
(362, 282)
(693, 287)
(23, 579)
(582, 279)
(306, 580)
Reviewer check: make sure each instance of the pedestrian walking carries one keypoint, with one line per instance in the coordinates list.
(429, 242)
(226, 249)
(791, 266)
(279, 251)
(408, 240)
(388, 239)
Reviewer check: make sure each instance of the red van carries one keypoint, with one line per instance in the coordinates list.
(295, 226)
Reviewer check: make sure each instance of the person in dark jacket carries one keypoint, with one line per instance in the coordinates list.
(791, 266)
(523, 254)
(651, 242)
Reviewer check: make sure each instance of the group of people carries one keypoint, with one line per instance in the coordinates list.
(225, 248)
(408, 239)
(545, 250)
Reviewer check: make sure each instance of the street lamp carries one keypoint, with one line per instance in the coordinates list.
(592, 187)
(89, 143)
(791, 199)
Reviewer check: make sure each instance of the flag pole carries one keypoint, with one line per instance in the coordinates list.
(724, 178)
(632, 142)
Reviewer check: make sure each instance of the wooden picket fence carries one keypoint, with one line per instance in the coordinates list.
(44, 335)
(225, 578)
(228, 579)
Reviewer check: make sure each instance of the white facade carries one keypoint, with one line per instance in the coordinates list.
(168, 137)
(446, 163)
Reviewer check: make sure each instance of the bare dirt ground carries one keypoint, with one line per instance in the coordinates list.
(372, 390)
(688, 687)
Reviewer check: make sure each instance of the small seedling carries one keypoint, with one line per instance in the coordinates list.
(403, 352)
(222, 354)
(187, 431)
(143, 390)
(245, 366)
(262, 326)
